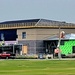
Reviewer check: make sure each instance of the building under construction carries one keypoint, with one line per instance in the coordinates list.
(35, 36)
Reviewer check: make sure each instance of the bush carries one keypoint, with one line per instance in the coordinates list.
(25, 57)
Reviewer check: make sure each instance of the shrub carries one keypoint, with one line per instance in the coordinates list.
(25, 57)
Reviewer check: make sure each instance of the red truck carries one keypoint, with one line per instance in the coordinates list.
(6, 55)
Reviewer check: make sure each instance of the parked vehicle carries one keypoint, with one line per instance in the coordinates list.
(6, 55)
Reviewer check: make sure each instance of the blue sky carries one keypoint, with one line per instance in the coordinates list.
(59, 10)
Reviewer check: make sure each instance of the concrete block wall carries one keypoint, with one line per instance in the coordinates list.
(34, 46)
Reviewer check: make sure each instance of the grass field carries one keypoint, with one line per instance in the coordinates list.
(37, 67)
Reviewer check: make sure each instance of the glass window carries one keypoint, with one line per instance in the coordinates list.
(23, 35)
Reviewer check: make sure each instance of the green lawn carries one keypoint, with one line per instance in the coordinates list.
(37, 67)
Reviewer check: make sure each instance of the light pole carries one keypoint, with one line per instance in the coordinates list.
(61, 35)
(59, 54)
